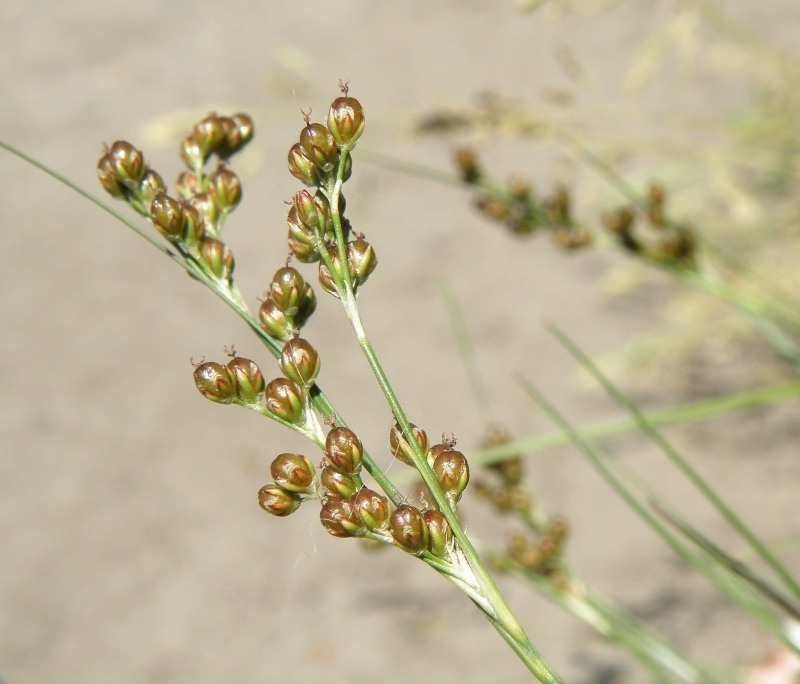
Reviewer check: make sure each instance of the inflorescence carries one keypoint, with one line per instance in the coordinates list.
(191, 220)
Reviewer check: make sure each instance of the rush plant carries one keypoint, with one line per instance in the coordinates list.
(350, 489)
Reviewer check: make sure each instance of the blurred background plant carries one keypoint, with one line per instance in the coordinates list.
(731, 177)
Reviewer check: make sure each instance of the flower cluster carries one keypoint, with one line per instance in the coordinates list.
(519, 209)
(659, 239)
(516, 206)
(191, 221)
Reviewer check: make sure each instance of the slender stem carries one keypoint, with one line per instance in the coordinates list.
(498, 611)
(681, 464)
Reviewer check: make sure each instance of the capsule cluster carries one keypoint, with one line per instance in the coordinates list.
(192, 220)
(519, 209)
(449, 465)
(540, 554)
(656, 238)
(507, 492)
(321, 160)
(539, 548)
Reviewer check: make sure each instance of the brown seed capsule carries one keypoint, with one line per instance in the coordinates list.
(409, 529)
(108, 177)
(167, 216)
(319, 146)
(619, 221)
(238, 132)
(346, 121)
(338, 518)
(452, 472)
(301, 167)
(339, 484)
(343, 450)
(440, 536)
(361, 260)
(218, 257)
(245, 129)
(206, 206)
(293, 472)
(215, 382)
(277, 501)
(371, 508)
(285, 400)
(187, 184)
(302, 240)
(435, 450)
(329, 278)
(191, 153)
(468, 164)
(226, 189)
(150, 187)
(128, 162)
(208, 134)
(306, 209)
(194, 228)
(292, 295)
(400, 447)
(249, 380)
(300, 362)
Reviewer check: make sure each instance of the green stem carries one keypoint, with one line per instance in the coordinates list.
(498, 611)
(680, 463)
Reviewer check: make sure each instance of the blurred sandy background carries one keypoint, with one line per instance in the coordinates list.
(132, 549)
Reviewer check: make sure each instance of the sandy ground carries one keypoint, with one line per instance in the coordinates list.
(131, 546)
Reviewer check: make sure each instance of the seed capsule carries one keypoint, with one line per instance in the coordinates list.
(371, 508)
(440, 536)
(319, 146)
(215, 382)
(108, 177)
(343, 450)
(338, 518)
(208, 134)
(452, 472)
(248, 377)
(339, 484)
(167, 216)
(128, 163)
(346, 121)
(361, 260)
(277, 501)
(300, 362)
(218, 257)
(293, 472)
(285, 400)
(150, 187)
(292, 294)
(301, 167)
(273, 320)
(409, 529)
(226, 189)
(400, 447)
